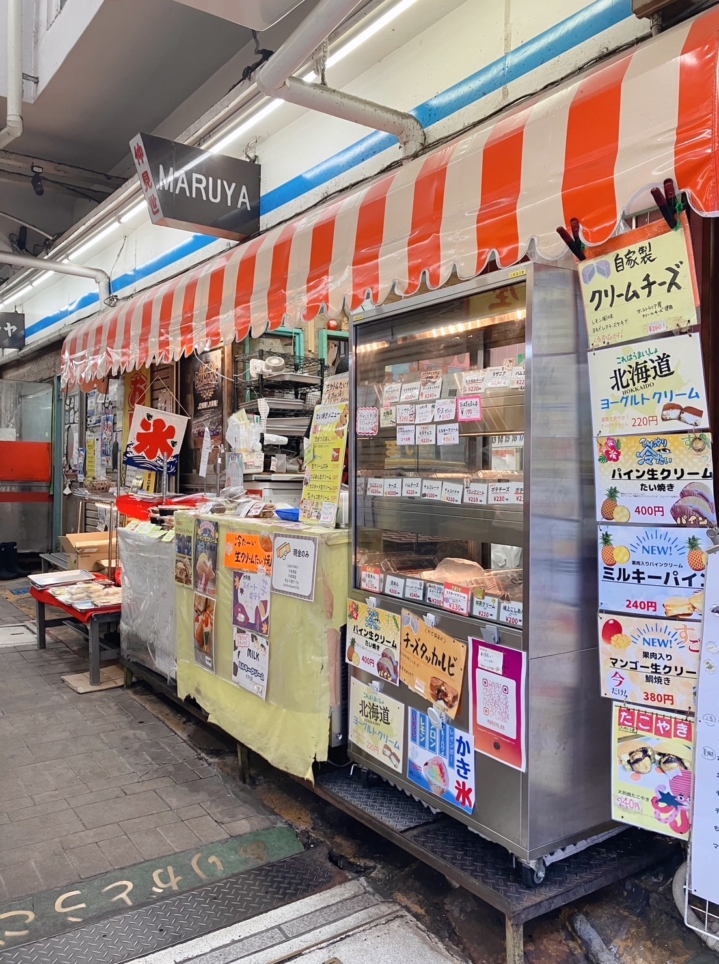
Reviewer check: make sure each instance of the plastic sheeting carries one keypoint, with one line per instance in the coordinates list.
(291, 728)
(586, 149)
(148, 625)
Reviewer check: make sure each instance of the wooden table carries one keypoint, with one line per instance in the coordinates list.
(94, 619)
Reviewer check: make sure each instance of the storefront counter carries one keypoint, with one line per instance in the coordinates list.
(260, 652)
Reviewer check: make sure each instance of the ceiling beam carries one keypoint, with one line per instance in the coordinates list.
(78, 177)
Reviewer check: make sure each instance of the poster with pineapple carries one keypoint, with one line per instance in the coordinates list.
(649, 661)
(656, 570)
(657, 479)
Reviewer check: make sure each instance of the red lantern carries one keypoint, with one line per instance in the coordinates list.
(333, 325)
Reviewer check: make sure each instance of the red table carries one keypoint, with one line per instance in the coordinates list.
(92, 618)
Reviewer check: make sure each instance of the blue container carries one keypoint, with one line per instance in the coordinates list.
(288, 515)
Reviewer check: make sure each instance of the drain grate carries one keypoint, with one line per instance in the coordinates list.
(185, 917)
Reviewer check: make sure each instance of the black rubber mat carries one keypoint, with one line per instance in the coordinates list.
(187, 916)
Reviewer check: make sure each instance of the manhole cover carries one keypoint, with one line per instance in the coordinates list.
(16, 636)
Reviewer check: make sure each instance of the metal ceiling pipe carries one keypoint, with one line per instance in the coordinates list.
(13, 122)
(275, 79)
(41, 264)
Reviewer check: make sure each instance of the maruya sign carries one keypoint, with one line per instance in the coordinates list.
(195, 190)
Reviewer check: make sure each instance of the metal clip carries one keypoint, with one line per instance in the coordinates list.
(430, 620)
(377, 685)
(372, 602)
(438, 717)
(490, 634)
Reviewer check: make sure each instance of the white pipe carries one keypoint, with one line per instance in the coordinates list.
(406, 128)
(44, 264)
(275, 79)
(13, 123)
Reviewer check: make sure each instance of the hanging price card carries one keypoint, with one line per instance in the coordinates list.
(426, 434)
(445, 409)
(448, 434)
(392, 488)
(483, 606)
(405, 435)
(470, 409)
(431, 489)
(452, 492)
(475, 493)
(414, 589)
(394, 585)
(411, 488)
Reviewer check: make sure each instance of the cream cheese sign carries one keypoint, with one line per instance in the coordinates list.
(649, 386)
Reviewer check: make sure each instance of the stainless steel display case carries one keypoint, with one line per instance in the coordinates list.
(563, 798)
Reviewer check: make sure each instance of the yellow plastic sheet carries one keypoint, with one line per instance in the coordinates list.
(291, 727)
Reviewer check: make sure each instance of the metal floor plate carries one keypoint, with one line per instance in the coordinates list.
(383, 801)
(177, 919)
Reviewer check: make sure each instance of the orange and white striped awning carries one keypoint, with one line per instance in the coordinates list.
(588, 149)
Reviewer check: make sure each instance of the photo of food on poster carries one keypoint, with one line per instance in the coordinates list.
(205, 558)
(204, 631)
(497, 690)
(207, 397)
(184, 530)
(650, 661)
(648, 386)
(251, 601)
(250, 662)
(432, 663)
(441, 761)
(154, 437)
(373, 640)
(639, 284)
(655, 479)
(657, 570)
(376, 724)
(652, 770)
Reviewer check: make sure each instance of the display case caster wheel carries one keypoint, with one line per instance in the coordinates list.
(534, 876)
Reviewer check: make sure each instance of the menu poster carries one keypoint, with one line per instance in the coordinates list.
(207, 397)
(294, 565)
(432, 663)
(639, 284)
(250, 662)
(376, 724)
(652, 770)
(367, 422)
(648, 386)
(184, 529)
(248, 551)
(441, 761)
(373, 640)
(657, 570)
(703, 877)
(336, 389)
(497, 689)
(251, 601)
(652, 662)
(205, 558)
(324, 463)
(203, 625)
(658, 479)
(430, 385)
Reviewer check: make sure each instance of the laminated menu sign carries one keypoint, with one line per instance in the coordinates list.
(456, 599)
(497, 689)
(205, 558)
(367, 422)
(657, 570)
(660, 479)
(184, 529)
(375, 486)
(648, 386)
(639, 284)
(373, 640)
(324, 463)
(203, 627)
(376, 725)
(703, 877)
(484, 606)
(430, 385)
(250, 662)
(432, 663)
(248, 551)
(652, 770)
(441, 760)
(251, 601)
(652, 662)
(294, 565)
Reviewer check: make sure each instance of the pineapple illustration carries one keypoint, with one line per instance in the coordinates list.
(610, 503)
(696, 557)
(607, 550)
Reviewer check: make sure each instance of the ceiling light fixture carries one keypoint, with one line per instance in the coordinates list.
(100, 236)
(18, 295)
(42, 278)
(36, 181)
(135, 209)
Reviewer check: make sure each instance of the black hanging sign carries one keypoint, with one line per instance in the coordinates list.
(12, 329)
(195, 190)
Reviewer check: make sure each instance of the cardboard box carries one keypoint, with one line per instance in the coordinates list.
(85, 550)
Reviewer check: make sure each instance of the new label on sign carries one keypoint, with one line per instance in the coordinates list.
(195, 190)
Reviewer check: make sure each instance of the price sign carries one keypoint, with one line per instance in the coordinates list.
(426, 434)
(470, 409)
(405, 414)
(456, 599)
(475, 493)
(375, 486)
(485, 607)
(405, 435)
(367, 422)
(414, 589)
(445, 409)
(448, 434)
(435, 593)
(392, 488)
(432, 489)
(394, 585)
(411, 488)
(371, 579)
(452, 492)
(511, 613)
(410, 392)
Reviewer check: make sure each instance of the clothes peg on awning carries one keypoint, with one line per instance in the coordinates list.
(573, 241)
(668, 203)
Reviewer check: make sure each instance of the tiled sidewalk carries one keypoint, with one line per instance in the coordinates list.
(95, 782)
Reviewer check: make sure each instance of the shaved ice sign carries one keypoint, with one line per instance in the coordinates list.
(154, 437)
(441, 761)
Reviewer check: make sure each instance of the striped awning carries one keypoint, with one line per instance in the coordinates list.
(587, 150)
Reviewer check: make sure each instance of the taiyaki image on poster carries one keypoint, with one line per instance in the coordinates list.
(205, 558)
(441, 761)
